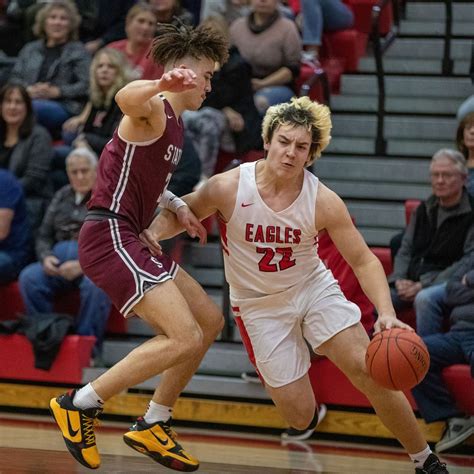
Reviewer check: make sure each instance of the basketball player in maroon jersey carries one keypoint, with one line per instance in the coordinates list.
(134, 170)
(271, 212)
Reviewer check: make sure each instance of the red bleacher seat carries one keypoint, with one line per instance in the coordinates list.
(348, 45)
(16, 352)
(11, 304)
(362, 10)
(461, 384)
(332, 387)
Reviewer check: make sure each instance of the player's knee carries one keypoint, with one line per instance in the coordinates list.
(191, 342)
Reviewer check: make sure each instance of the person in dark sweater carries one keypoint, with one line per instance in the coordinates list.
(439, 234)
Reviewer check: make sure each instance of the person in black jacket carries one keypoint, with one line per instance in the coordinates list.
(440, 233)
(456, 346)
(228, 118)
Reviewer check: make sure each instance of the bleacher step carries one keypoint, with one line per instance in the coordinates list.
(413, 87)
(418, 148)
(223, 358)
(428, 48)
(436, 11)
(204, 385)
(396, 127)
(408, 65)
(435, 27)
(350, 103)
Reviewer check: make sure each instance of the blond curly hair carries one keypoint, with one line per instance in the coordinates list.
(301, 111)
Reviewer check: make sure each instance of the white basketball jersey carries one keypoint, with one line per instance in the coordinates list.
(265, 251)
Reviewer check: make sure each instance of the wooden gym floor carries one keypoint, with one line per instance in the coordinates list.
(33, 444)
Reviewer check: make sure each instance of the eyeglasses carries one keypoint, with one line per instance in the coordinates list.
(443, 175)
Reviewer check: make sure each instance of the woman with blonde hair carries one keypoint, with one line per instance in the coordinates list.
(94, 126)
(54, 67)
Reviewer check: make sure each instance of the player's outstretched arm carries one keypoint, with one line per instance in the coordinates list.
(135, 99)
(333, 216)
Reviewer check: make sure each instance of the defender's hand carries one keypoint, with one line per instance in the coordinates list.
(150, 240)
(191, 223)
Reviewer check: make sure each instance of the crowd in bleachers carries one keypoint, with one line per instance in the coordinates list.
(58, 92)
(57, 111)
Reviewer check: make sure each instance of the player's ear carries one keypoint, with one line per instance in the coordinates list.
(266, 146)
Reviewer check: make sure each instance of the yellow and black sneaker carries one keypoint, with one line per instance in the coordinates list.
(77, 428)
(159, 442)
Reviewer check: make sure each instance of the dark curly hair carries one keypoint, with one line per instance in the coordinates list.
(174, 42)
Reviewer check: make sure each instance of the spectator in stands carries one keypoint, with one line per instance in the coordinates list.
(55, 68)
(94, 126)
(171, 11)
(26, 11)
(319, 15)
(440, 232)
(140, 28)
(466, 107)
(25, 149)
(272, 46)
(228, 117)
(15, 243)
(465, 144)
(109, 23)
(230, 10)
(57, 269)
(456, 346)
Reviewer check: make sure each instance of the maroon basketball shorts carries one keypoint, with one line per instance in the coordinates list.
(113, 257)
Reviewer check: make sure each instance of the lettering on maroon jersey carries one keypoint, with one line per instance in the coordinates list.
(173, 153)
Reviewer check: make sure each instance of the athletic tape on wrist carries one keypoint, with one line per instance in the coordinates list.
(171, 202)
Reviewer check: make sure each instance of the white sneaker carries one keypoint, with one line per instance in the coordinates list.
(457, 430)
(301, 435)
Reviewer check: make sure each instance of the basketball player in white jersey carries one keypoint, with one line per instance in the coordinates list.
(271, 212)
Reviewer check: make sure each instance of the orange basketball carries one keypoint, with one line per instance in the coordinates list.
(397, 359)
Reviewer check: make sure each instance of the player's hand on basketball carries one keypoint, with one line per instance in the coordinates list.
(191, 224)
(388, 322)
(178, 80)
(150, 240)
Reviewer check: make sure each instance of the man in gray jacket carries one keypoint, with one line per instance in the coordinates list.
(440, 233)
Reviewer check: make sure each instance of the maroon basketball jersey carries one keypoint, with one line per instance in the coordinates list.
(131, 176)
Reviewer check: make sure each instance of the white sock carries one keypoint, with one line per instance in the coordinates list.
(87, 397)
(157, 412)
(420, 458)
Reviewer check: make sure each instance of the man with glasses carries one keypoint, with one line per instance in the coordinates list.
(440, 232)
